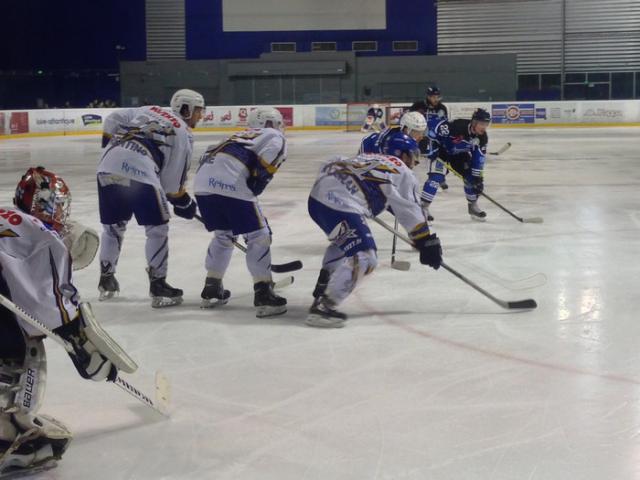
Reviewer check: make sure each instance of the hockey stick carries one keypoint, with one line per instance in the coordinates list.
(397, 265)
(276, 268)
(162, 387)
(501, 150)
(520, 219)
(517, 305)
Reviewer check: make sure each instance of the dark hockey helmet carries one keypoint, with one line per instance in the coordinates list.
(433, 90)
(481, 115)
(45, 196)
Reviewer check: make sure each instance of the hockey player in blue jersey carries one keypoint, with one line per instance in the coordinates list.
(374, 120)
(432, 108)
(397, 139)
(462, 146)
(229, 180)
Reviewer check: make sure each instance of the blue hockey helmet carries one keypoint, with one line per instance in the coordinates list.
(400, 144)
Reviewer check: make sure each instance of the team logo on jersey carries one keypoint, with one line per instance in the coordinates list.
(342, 233)
(8, 233)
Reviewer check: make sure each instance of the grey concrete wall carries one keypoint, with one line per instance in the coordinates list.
(322, 78)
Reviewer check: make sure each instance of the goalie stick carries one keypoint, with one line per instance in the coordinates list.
(500, 206)
(162, 387)
(526, 304)
(502, 149)
(275, 267)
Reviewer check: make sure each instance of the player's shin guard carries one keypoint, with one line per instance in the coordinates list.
(110, 247)
(343, 281)
(156, 249)
(259, 254)
(27, 440)
(219, 253)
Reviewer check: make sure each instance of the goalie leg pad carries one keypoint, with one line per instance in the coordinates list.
(27, 440)
(22, 380)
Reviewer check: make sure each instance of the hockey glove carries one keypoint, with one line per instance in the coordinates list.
(89, 362)
(257, 183)
(430, 251)
(183, 206)
(477, 184)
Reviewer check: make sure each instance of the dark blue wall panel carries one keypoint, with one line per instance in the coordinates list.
(71, 34)
(406, 20)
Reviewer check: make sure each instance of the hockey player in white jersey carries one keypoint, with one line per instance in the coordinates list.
(346, 192)
(147, 157)
(229, 180)
(35, 274)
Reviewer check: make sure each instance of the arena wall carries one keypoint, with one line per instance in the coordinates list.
(19, 123)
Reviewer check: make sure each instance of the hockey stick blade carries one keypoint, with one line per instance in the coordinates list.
(533, 220)
(400, 265)
(276, 268)
(521, 304)
(528, 304)
(501, 150)
(286, 267)
(163, 393)
(283, 283)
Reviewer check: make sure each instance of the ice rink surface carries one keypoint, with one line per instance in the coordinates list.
(428, 380)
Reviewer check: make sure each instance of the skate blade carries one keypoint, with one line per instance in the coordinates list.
(162, 302)
(270, 311)
(318, 321)
(478, 219)
(106, 295)
(29, 471)
(213, 302)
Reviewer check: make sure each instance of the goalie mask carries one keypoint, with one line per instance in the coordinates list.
(45, 196)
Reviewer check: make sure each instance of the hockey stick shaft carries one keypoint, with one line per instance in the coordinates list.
(395, 241)
(277, 267)
(38, 325)
(520, 304)
(500, 206)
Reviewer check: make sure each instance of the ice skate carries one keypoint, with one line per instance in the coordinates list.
(267, 303)
(476, 212)
(162, 294)
(322, 314)
(108, 286)
(213, 294)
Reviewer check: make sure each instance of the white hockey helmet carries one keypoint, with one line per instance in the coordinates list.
(265, 117)
(188, 98)
(413, 121)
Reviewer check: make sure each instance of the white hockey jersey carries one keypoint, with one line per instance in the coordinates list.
(368, 184)
(36, 266)
(249, 157)
(149, 145)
